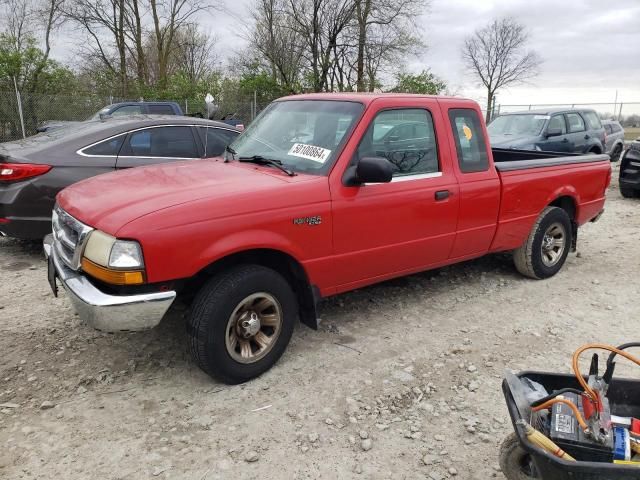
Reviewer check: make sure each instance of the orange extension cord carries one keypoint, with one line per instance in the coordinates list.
(592, 394)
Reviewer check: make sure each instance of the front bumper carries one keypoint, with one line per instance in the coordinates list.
(109, 313)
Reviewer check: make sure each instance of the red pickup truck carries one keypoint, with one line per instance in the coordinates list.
(322, 194)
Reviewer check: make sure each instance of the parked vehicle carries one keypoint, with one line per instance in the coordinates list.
(34, 170)
(629, 179)
(554, 130)
(260, 235)
(614, 139)
(118, 110)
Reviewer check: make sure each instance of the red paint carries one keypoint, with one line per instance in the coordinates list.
(188, 215)
(4, 221)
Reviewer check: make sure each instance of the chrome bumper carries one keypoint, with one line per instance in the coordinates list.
(109, 313)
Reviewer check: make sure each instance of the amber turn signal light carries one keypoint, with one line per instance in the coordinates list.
(113, 277)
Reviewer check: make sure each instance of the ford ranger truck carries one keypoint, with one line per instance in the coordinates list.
(322, 194)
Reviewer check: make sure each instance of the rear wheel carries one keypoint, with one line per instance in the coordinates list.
(547, 247)
(515, 462)
(241, 322)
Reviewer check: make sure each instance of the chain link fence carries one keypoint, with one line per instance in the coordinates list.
(22, 114)
(36, 109)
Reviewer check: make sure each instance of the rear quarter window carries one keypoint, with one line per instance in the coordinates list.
(593, 120)
(469, 138)
(109, 147)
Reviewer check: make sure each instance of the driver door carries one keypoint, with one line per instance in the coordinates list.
(407, 225)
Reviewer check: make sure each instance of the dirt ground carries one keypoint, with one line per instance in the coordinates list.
(402, 380)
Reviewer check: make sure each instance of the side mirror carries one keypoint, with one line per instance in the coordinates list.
(369, 170)
(554, 132)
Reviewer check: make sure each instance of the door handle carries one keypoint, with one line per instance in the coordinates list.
(587, 137)
(442, 194)
(565, 140)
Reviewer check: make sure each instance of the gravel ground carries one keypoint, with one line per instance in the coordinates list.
(402, 380)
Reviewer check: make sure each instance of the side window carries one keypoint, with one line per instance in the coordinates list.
(616, 128)
(557, 123)
(576, 123)
(216, 140)
(109, 147)
(160, 110)
(172, 142)
(127, 110)
(469, 138)
(405, 137)
(593, 120)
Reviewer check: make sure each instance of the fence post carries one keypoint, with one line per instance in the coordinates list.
(186, 106)
(620, 112)
(255, 104)
(19, 100)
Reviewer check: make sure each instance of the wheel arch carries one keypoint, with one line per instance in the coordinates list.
(283, 263)
(569, 204)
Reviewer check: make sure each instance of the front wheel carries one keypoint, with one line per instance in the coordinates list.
(547, 247)
(241, 322)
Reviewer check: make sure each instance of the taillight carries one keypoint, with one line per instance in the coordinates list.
(13, 172)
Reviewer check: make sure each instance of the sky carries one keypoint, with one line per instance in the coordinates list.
(590, 48)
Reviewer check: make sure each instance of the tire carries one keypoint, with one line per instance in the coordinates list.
(515, 462)
(537, 260)
(615, 155)
(628, 192)
(231, 306)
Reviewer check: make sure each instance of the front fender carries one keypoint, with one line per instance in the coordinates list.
(249, 240)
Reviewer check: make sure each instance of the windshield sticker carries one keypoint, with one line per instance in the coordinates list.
(541, 117)
(467, 132)
(310, 152)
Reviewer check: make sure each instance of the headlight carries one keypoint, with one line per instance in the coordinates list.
(114, 261)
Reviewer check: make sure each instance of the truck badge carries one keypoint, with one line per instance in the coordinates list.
(317, 220)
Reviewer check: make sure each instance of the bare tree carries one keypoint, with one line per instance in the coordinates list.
(386, 28)
(104, 22)
(320, 24)
(169, 16)
(280, 45)
(194, 53)
(496, 54)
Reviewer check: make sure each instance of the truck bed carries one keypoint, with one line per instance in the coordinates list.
(532, 180)
(510, 159)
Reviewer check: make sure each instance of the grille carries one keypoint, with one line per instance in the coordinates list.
(70, 236)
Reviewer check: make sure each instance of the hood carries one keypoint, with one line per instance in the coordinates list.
(112, 200)
(513, 141)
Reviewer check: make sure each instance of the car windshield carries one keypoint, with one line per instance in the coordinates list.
(520, 125)
(96, 116)
(304, 135)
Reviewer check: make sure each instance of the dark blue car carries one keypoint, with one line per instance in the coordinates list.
(559, 130)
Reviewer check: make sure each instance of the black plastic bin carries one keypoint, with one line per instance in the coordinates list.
(624, 398)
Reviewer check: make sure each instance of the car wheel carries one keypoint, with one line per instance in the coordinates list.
(515, 462)
(615, 155)
(241, 322)
(628, 192)
(544, 252)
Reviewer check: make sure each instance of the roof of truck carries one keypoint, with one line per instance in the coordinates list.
(365, 97)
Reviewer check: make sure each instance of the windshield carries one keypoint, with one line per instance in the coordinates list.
(96, 116)
(302, 134)
(520, 125)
